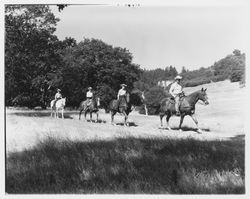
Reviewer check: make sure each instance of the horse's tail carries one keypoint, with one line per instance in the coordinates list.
(81, 105)
(161, 104)
(158, 108)
(52, 104)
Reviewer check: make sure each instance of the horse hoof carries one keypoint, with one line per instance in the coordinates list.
(169, 128)
(180, 130)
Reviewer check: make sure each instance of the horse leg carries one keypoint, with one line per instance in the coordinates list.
(196, 122)
(97, 115)
(125, 118)
(161, 116)
(62, 113)
(167, 120)
(85, 116)
(112, 113)
(90, 115)
(182, 117)
(80, 114)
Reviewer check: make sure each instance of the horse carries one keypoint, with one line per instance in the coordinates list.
(126, 105)
(93, 107)
(59, 105)
(187, 107)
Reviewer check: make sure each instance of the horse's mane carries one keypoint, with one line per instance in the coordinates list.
(194, 93)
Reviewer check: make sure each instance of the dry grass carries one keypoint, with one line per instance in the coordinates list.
(46, 155)
(129, 166)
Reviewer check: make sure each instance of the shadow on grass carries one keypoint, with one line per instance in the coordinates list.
(129, 124)
(40, 114)
(94, 121)
(185, 128)
(131, 165)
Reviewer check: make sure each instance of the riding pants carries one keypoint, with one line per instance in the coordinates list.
(177, 103)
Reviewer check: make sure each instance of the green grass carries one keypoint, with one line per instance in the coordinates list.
(131, 166)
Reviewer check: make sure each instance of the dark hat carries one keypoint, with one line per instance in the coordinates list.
(123, 85)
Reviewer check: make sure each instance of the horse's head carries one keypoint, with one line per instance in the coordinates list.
(137, 97)
(64, 101)
(203, 96)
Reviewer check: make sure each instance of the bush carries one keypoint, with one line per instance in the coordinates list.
(153, 98)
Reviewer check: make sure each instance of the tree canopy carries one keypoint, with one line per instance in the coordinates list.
(37, 62)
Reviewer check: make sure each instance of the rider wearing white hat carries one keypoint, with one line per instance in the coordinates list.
(175, 90)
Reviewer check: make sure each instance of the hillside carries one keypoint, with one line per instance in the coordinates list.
(221, 119)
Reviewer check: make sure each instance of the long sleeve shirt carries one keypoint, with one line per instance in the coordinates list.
(175, 89)
(121, 92)
(89, 94)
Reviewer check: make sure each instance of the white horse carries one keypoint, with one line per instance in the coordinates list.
(59, 106)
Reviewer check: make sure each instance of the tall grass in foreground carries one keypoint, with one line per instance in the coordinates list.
(129, 166)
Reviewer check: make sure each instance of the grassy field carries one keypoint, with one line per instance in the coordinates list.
(154, 166)
(46, 155)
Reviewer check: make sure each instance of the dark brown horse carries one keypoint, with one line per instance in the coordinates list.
(90, 107)
(187, 107)
(125, 106)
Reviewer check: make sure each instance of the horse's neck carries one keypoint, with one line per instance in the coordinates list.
(192, 99)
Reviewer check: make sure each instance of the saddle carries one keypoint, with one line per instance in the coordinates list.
(89, 102)
(183, 102)
(182, 97)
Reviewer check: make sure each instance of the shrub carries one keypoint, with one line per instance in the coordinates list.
(153, 98)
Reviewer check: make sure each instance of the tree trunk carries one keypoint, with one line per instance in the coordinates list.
(146, 109)
(43, 101)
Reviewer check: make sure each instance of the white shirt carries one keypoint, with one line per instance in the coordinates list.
(58, 95)
(121, 92)
(175, 89)
(89, 94)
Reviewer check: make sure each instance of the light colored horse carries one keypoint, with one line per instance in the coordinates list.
(58, 106)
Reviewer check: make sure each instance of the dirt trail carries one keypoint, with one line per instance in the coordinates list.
(221, 119)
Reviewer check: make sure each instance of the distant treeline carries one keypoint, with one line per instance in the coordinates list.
(37, 63)
(231, 67)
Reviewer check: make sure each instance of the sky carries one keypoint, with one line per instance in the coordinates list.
(160, 36)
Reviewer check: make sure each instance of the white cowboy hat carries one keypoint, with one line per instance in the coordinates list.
(178, 77)
(58, 89)
(123, 85)
(89, 88)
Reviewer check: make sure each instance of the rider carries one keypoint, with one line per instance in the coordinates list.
(89, 95)
(175, 90)
(121, 94)
(58, 96)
